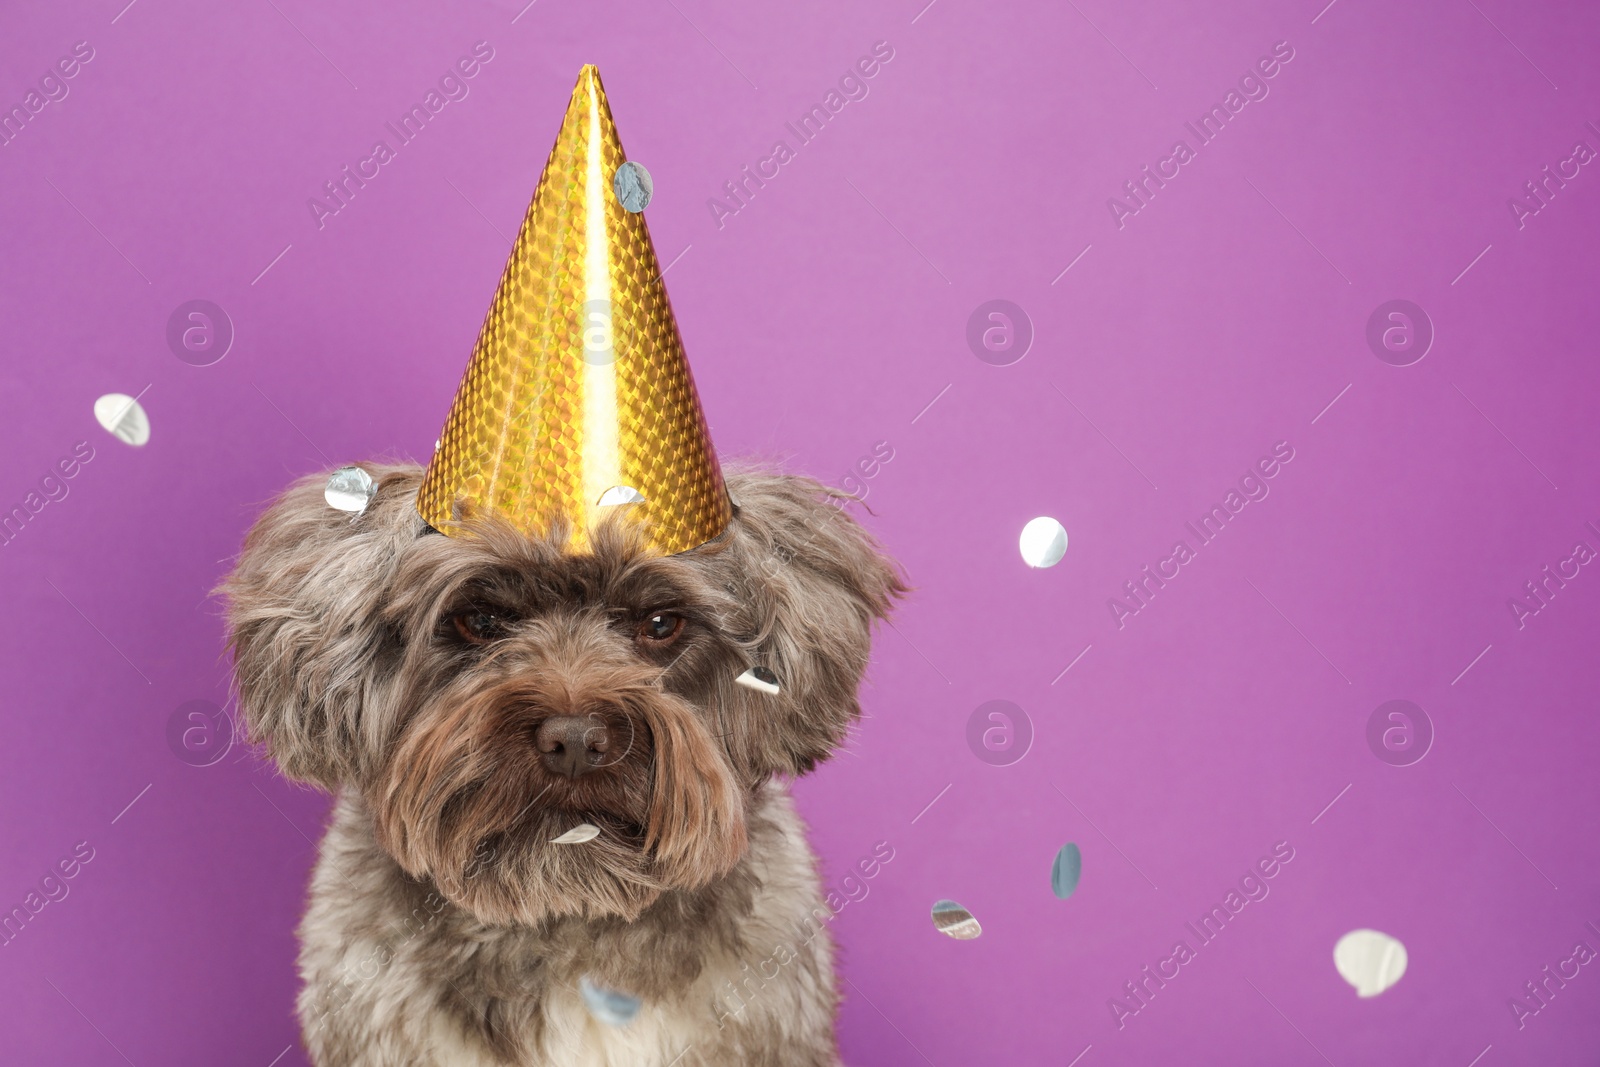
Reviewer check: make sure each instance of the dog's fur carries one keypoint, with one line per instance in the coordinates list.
(444, 926)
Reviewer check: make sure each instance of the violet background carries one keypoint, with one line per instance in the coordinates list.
(822, 318)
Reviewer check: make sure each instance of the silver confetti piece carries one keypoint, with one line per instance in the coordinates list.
(633, 187)
(350, 489)
(952, 919)
(584, 831)
(608, 1005)
(759, 678)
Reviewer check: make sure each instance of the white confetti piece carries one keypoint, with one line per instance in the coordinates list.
(584, 831)
(124, 418)
(1369, 960)
(1043, 542)
(760, 679)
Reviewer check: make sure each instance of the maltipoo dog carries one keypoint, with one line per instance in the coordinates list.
(562, 833)
(557, 682)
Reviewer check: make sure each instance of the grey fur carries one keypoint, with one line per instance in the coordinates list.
(444, 926)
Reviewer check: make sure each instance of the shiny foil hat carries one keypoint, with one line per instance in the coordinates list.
(578, 399)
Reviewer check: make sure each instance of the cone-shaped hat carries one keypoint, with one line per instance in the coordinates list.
(578, 399)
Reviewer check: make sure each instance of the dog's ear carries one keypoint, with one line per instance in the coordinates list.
(310, 650)
(810, 581)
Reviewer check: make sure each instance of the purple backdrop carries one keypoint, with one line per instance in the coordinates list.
(1181, 330)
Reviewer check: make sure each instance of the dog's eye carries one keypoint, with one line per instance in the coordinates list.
(660, 629)
(479, 627)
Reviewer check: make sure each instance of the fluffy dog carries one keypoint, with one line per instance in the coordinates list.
(469, 699)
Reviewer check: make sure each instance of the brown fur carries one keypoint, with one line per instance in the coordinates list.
(352, 677)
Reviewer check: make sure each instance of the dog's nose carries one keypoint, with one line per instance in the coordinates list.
(573, 745)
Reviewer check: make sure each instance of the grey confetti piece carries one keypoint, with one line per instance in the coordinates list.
(608, 1005)
(633, 186)
(1066, 871)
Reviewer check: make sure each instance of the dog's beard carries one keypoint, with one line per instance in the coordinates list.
(467, 801)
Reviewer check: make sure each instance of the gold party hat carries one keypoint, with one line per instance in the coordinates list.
(578, 399)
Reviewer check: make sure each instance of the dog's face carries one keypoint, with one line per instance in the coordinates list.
(485, 693)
